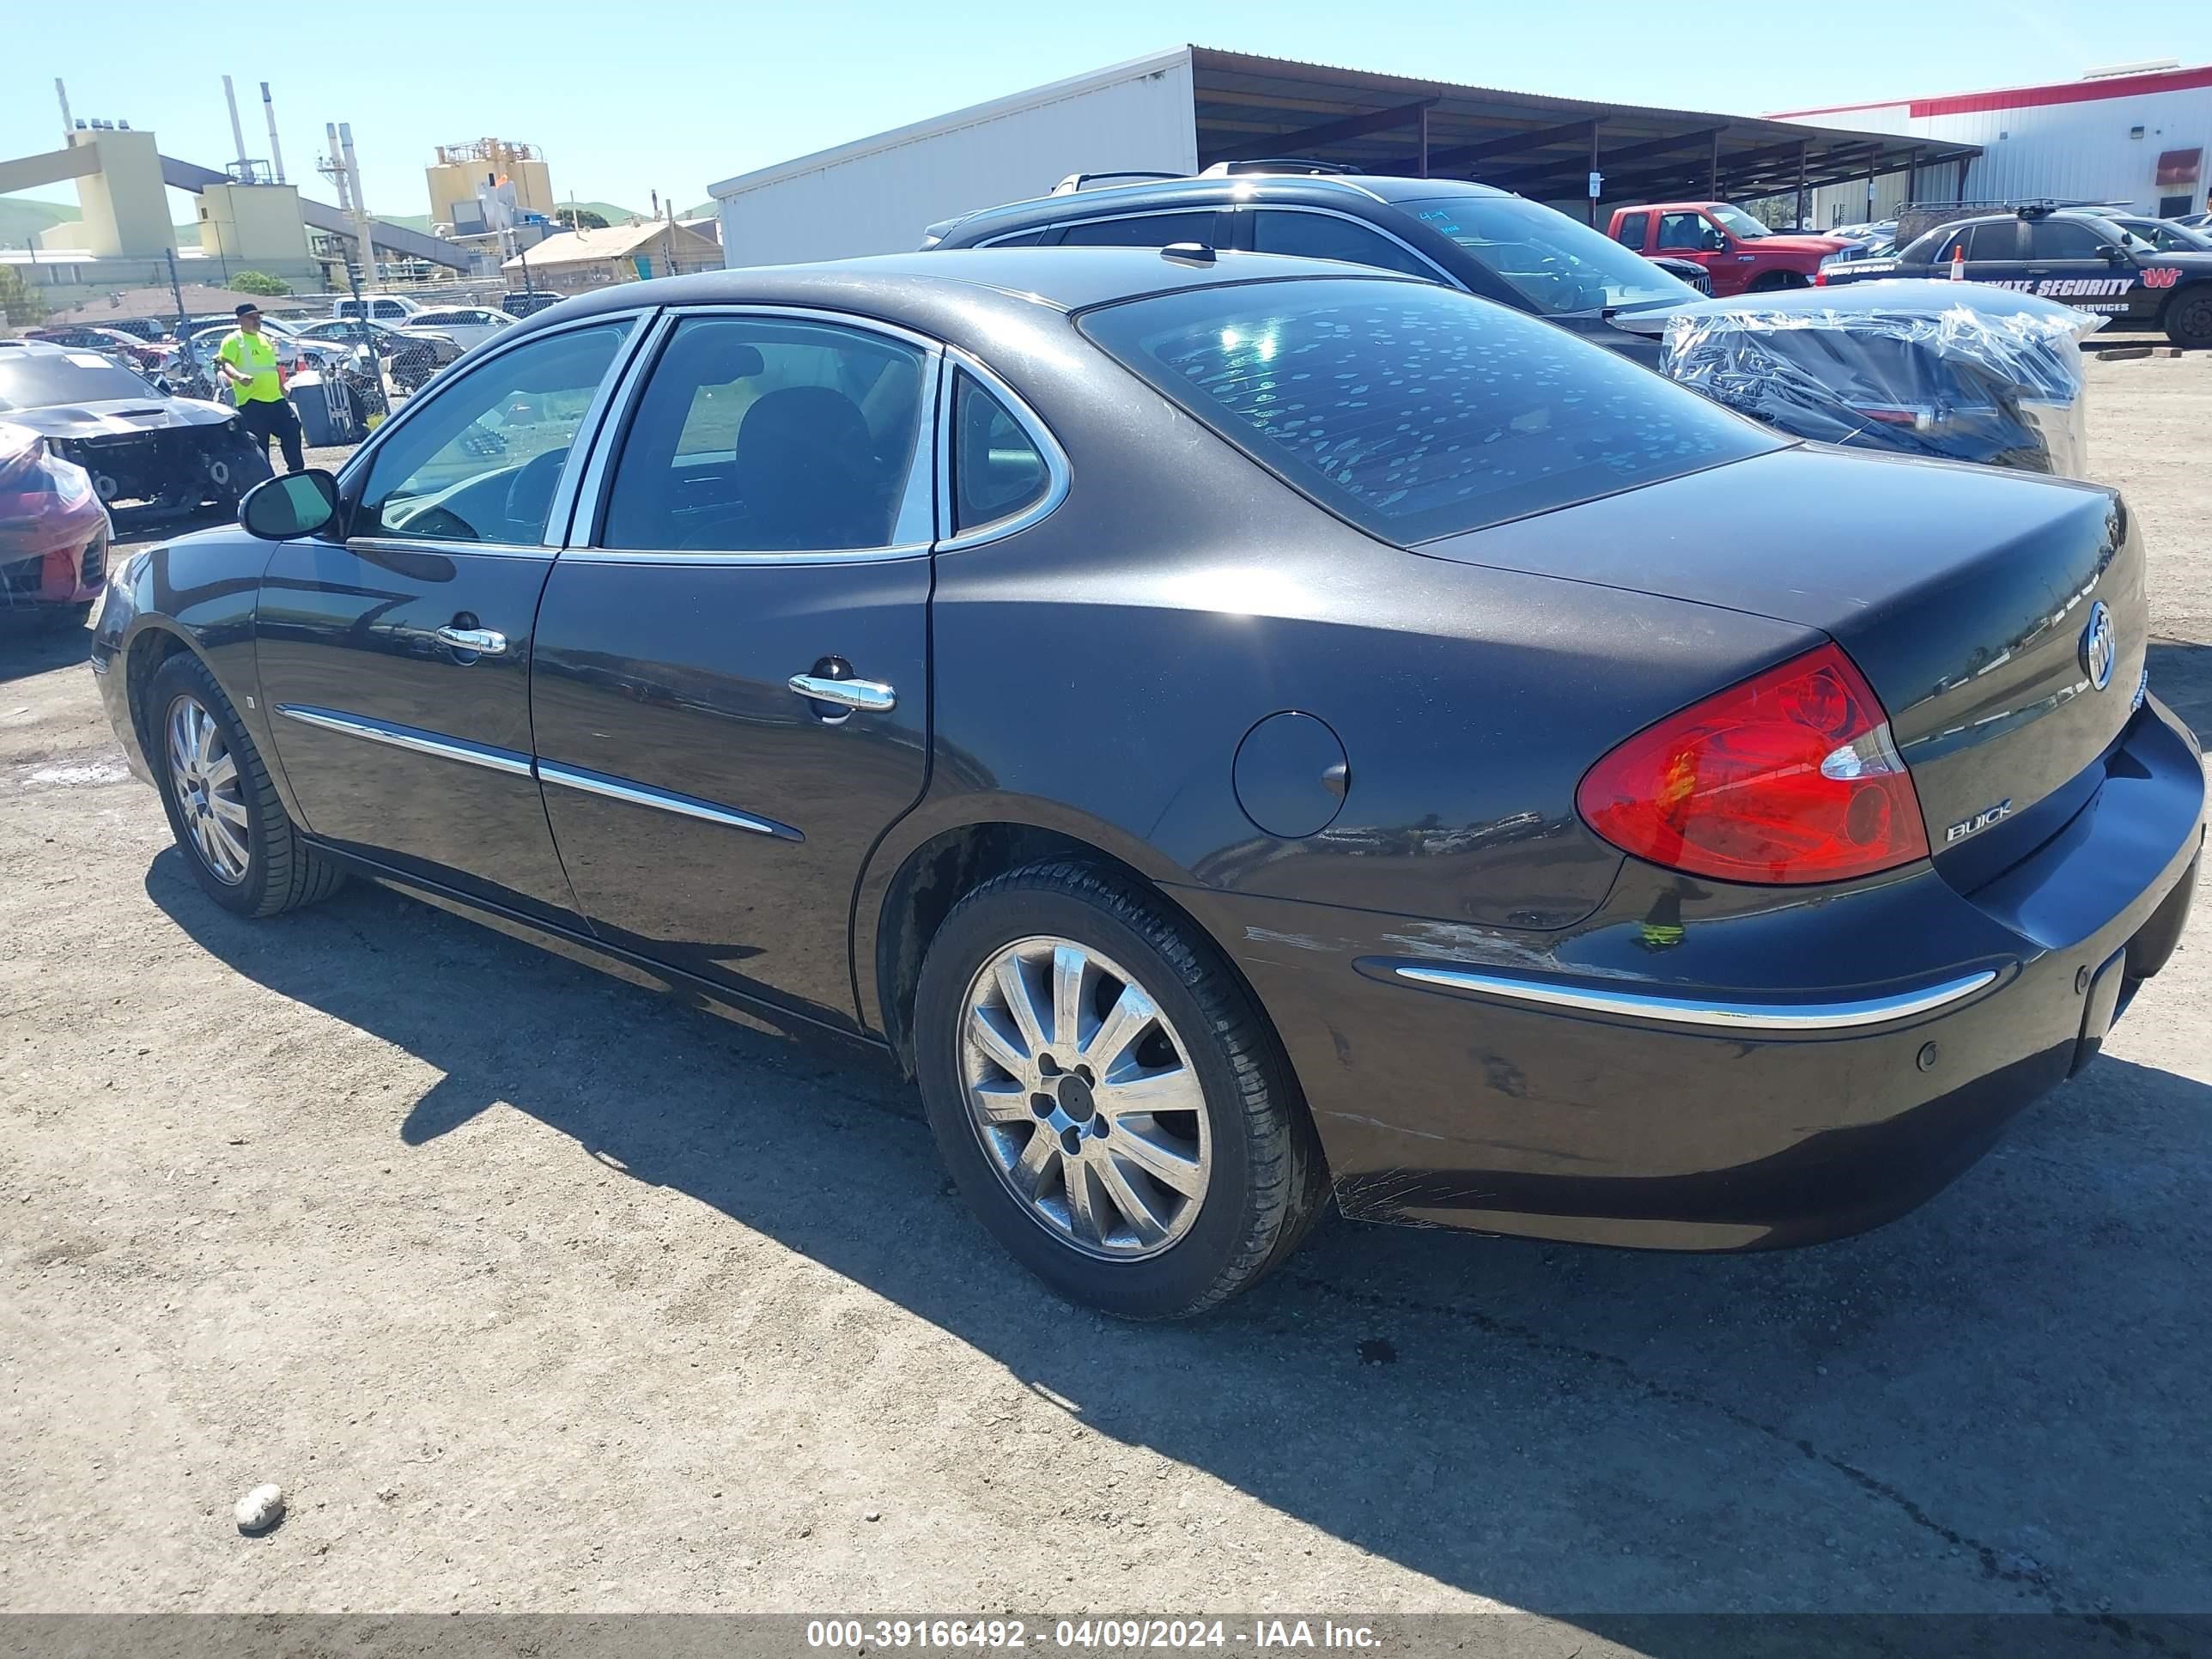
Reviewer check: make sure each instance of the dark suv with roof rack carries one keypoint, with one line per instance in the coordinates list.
(1487, 241)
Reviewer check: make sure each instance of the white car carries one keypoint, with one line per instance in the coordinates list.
(390, 309)
(468, 324)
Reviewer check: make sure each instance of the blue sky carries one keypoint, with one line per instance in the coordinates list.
(642, 95)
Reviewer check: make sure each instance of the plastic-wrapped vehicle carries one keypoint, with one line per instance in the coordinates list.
(1947, 369)
(53, 531)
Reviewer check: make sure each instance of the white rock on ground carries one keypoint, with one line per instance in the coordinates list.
(261, 1508)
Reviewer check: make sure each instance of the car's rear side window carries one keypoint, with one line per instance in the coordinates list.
(1412, 409)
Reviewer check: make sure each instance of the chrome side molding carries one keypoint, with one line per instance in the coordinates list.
(1792, 1017)
(641, 794)
(409, 738)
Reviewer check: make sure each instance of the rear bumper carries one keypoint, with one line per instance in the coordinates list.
(1703, 1068)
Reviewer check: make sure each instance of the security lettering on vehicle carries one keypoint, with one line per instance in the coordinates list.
(2066, 288)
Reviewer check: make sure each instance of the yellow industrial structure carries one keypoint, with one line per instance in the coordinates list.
(253, 225)
(462, 168)
(120, 189)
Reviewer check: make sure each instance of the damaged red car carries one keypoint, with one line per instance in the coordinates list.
(53, 531)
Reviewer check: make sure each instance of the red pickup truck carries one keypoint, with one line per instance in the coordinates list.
(1739, 253)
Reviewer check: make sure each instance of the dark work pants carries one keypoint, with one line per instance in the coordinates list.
(266, 418)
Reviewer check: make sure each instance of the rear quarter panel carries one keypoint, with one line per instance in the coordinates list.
(1096, 674)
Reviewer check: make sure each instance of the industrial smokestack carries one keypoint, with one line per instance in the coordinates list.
(237, 132)
(276, 149)
(336, 168)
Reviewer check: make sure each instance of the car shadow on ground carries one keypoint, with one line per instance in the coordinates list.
(2181, 676)
(35, 644)
(1997, 1403)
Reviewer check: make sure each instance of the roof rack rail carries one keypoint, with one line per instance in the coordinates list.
(1076, 181)
(1274, 164)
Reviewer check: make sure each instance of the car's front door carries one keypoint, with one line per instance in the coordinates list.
(1690, 235)
(768, 512)
(396, 661)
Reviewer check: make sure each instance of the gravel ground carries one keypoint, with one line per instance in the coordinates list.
(537, 1292)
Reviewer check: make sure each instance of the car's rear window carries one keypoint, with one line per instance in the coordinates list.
(1412, 409)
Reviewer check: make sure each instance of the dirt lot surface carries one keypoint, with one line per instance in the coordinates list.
(537, 1292)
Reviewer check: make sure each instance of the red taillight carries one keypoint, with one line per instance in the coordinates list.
(1791, 777)
(1819, 278)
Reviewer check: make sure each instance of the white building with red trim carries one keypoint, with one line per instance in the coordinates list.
(2138, 134)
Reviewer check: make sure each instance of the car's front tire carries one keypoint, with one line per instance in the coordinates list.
(2189, 316)
(241, 845)
(1112, 1104)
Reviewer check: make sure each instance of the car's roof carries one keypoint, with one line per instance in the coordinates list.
(889, 284)
(1317, 189)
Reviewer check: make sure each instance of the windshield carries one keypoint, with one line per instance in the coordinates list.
(1557, 265)
(72, 377)
(1412, 409)
(1739, 224)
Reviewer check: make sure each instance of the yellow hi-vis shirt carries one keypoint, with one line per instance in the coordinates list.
(252, 354)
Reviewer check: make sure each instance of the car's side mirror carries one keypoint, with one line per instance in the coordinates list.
(2116, 256)
(297, 504)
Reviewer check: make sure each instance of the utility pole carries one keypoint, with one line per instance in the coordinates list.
(176, 291)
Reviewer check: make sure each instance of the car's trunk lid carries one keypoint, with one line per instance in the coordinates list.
(1965, 596)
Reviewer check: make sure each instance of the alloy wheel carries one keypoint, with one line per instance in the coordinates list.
(203, 779)
(1085, 1098)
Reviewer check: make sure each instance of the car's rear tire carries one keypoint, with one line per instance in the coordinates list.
(2189, 316)
(1139, 1142)
(239, 842)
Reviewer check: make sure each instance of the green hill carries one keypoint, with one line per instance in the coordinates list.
(23, 219)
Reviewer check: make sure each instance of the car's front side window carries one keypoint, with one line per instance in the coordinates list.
(482, 460)
(756, 434)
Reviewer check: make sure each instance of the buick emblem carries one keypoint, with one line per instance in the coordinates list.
(2097, 649)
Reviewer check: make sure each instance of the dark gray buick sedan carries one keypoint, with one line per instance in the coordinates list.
(1240, 732)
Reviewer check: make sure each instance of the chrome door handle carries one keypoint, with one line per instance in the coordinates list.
(484, 641)
(869, 696)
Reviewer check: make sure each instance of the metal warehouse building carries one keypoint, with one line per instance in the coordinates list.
(2135, 134)
(1180, 111)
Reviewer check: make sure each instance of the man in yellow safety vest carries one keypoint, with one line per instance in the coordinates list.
(248, 362)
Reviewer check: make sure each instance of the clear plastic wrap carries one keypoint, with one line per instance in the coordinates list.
(1955, 370)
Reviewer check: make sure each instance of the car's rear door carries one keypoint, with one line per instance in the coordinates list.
(396, 661)
(764, 509)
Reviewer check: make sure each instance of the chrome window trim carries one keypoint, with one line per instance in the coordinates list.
(409, 738)
(1059, 475)
(1442, 276)
(668, 801)
(916, 515)
(1786, 1017)
(357, 465)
